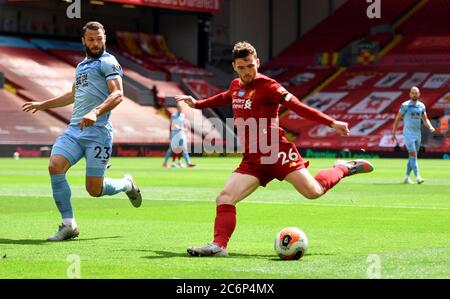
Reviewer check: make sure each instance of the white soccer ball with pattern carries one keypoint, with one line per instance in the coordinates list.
(291, 243)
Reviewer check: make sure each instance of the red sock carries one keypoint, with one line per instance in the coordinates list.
(330, 177)
(224, 224)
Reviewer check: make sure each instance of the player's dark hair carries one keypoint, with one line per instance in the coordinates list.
(92, 26)
(243, 49)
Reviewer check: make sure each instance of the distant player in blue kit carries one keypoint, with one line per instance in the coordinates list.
(178, 139)
(96, 91)
(413, 113)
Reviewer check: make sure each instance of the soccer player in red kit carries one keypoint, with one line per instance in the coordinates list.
(255, 97)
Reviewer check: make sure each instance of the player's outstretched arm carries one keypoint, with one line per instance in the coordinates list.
(221, 99)
(115, 98)
(187, 99)
(340, 127)
(293, 103)
(61, 101)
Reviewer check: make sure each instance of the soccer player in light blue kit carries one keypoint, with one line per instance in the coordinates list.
(413, 113)
(178, 139)
(96, 91)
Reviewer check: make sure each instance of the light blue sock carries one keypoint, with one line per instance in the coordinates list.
(114, 186)
(186, 157)
(168, 154)
(414, 166)
(408, 167)
(62, 195)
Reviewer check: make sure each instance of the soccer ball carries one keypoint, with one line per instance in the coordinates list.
(291, 243)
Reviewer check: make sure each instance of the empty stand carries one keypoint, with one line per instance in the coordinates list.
(136, 85)
(39, 76)
(368, 98)
(17, 127)
(202, 88)
(151, 51)
(300, 80)
(426, 40)
(336, 31)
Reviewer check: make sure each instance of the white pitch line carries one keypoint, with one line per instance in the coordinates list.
(314, 204)
(272, 202)
(383, 207)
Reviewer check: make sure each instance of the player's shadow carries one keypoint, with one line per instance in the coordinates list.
(43, 241)
(160, 254)
(271, 257)
(250, 256)
(277, 259)
(22, 242)
(388, 183)
(169, 254)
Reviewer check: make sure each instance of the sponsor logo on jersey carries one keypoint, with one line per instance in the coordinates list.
(81, 80)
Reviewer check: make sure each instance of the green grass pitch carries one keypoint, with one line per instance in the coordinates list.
(367, 225)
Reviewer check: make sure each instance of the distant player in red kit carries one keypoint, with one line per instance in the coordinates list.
(256, 99)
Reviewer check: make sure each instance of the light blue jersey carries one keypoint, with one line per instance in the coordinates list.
(412, 118)
(178, 139)
(412, 121)
(177, 120)
(91, 88)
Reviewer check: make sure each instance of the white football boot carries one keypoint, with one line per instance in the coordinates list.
(134, 195)
(210, 249)
(65, 232)
(407, 180)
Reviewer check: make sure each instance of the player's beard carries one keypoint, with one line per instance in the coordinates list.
(94, 55)
(246, 79)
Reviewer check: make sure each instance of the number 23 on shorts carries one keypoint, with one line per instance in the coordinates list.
(102, 153)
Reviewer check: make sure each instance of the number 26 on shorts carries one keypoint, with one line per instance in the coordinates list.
(289, 157)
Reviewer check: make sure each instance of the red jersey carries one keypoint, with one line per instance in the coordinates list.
(258, 103)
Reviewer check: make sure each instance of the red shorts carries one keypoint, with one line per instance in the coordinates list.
(288, 161)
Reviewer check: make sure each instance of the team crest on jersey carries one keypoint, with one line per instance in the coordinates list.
(241, 93)
(251, 93)
(248, 104)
